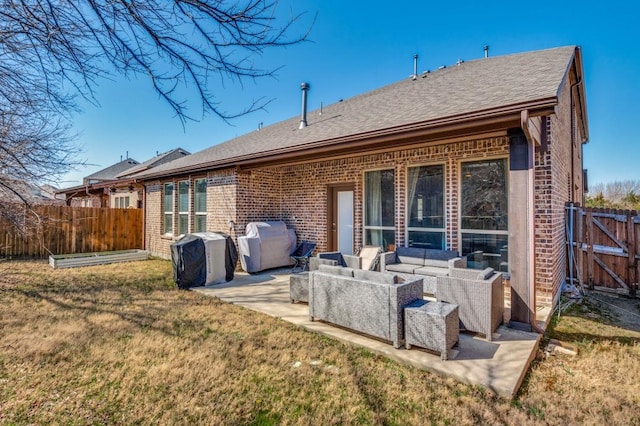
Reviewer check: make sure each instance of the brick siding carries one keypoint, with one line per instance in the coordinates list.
(297, 194)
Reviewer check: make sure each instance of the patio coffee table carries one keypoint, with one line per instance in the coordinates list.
(432, 325)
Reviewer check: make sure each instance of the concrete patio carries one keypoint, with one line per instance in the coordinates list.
(499, 365)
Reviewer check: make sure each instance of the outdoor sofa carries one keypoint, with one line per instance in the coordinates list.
(299, 283)
(365, 301)
(414, 262)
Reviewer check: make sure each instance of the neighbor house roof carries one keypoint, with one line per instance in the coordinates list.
(123, 170)
(112, 171)
(161, 158)
(467, 91)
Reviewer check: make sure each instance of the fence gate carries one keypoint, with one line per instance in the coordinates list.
(603, 248)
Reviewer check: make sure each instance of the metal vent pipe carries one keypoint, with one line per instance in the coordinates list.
(303, 117)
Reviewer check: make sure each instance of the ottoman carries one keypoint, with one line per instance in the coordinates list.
(431, 325)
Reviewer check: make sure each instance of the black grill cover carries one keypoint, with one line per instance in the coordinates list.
(203, 258)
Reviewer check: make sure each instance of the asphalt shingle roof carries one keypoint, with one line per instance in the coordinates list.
(478, 85)
(112, 171)
(161, 158)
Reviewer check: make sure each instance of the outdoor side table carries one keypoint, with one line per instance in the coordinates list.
(431, 325)
(299, 287)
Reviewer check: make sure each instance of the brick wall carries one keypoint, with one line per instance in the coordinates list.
(303, 187)
(558, 180)
(297, 195)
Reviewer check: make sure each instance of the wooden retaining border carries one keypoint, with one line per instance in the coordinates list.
(99, 258)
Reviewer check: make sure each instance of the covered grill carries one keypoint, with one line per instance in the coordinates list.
(266, 245)
(203, 258)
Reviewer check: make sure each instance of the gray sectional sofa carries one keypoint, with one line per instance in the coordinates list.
(413, 262)
(365, 301)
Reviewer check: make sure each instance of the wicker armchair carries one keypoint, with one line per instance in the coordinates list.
(367, 258)
(479, 294)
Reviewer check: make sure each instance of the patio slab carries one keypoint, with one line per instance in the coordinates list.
(499, 365)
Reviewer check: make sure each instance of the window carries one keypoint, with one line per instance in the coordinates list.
(200, 205)
(379, 208)
(484, 209)
(168, 208)
(425, 207)
(183, 207)
(121, 202)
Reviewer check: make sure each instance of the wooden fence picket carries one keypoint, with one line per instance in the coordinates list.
(65, 230)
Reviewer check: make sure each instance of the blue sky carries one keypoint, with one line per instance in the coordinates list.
(357, 46)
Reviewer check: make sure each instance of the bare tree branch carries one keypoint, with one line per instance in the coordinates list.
(54, 51)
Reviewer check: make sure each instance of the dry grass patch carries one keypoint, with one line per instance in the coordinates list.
(119, 344)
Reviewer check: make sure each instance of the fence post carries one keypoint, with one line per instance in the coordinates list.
(590, 243)
(633, 263)
(580, 217)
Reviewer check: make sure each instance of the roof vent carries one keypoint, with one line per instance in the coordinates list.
(486, 50)
(415, 67)
(303, 117)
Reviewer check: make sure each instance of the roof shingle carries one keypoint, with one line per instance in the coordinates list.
(472, 86)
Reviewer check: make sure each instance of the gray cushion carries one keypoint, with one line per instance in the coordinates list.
(432, 271)
(436, 263)
(333, 255)
(485, 274)
(336, 270)
(440, 254)
(376, 277)
(402, 267)
(410, 255)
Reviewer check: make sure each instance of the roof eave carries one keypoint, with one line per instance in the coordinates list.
(508, 114)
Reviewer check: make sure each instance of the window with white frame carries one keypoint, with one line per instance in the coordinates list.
(425, 207)
(484, 207)
(183, 207)
(200, 205)
(379, 208)
(167, 204)
(122, 202)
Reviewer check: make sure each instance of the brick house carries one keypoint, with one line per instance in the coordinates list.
(112, 187)
(479, 157)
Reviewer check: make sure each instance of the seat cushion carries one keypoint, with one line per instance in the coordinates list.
(440, 254)
(432, 271)
(485, 274)
(437, 263)
(333, 255)
(410, 255)
(402, 267)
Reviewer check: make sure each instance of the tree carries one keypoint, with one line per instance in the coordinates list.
(616, 195)
(52, 52)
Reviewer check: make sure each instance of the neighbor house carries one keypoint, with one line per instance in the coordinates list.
(113, 187)
(478, 157)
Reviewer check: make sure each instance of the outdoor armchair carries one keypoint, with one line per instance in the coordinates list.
(479, 295)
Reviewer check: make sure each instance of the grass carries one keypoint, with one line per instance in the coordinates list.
(118, 344)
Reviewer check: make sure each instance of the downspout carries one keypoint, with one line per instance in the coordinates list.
(144, 216)
(573, 136)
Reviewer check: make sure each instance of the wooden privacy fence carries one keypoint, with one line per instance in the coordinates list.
(45, 230)
(603, 248)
